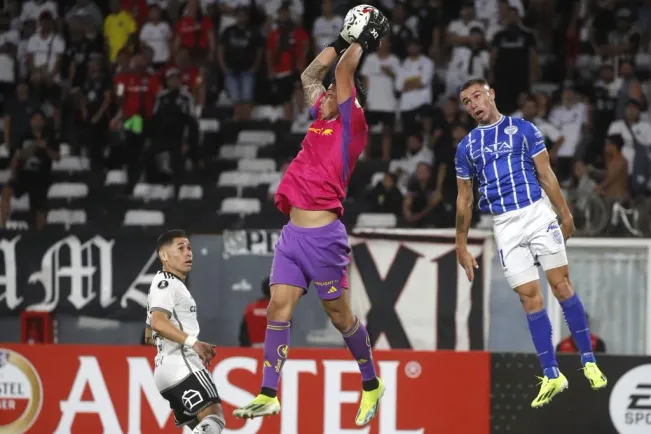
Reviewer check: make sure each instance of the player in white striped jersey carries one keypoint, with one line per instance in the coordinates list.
(508, 158)
(181, 374)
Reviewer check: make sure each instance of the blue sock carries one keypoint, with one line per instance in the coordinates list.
(541, 333)
(578, 325)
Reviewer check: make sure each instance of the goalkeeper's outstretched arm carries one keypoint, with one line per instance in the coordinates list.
(312, 77)
(345, 72)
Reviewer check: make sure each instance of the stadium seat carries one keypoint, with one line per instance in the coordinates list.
(139, 217)
(235, 178)
(257, 165)
(238, 205)
(66, 217)
(193, 192)
(209, 125)
(4, 151)
(4, 176)
(267, 113)
(147, 192)
(376, 220)
(16, 225)
(255, 137)
(20, 203)
(64, 150)
(236, 152)
(268, 178)
(116, 177)
(68, 190)
(71, 164)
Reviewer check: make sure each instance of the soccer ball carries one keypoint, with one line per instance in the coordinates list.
(356, 19)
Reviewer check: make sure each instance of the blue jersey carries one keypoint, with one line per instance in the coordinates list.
(500, 156)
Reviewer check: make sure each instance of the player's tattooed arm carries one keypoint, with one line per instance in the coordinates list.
(312, 77)
(312, 81)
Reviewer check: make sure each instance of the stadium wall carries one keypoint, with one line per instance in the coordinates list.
(110, 389)
(97, 286)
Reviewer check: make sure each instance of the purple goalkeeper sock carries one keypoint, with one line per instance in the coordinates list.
(541, 333)
(359, 345)
(578, 325)
(276, 348)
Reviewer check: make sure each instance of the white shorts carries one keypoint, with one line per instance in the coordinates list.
(525, 236)
(175, 369)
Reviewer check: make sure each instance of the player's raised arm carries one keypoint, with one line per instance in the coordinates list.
(312, 77)
(345, 72)
(547, 178)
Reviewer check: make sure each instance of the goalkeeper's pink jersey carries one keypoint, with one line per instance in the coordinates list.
(318, 177)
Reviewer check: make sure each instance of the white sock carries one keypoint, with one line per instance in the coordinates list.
(211, 424)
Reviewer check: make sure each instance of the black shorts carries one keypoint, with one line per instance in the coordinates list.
(193, 394)
(388, 119)
(283, 89)
(37, 190)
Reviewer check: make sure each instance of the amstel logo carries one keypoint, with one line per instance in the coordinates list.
(21, 393)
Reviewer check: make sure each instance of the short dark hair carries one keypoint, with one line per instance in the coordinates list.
(168, 236)
(617, 140)
(472, 82)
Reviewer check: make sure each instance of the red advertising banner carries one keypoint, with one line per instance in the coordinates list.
(64, 389)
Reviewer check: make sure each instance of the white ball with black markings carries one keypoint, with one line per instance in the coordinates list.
(356, 19)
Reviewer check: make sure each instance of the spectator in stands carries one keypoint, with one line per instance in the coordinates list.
(157, 34)
(568, 345)
(458, 32)
(271, 192)
(326, 27)
(195, 32)
(468, 62)
(32, 9)
(9, 40)
(79, 50)
(18, 115)
(614, 185)
(445, 183)
(287, 48)
(174, 128)
(421, 198)
(95, 114)
(430, 20)
(401, 33)
(603, 101)
(254, 321)
(571, 118)
(500, 23)
(136, 93)
(416, 153)
(624, 40)
(379, 71)
(631, 88)
(447, 116)
(138, 10)
(119, 30)
(385, 197)
(45, 51)
(414, 81)
(31, 171)
(274, 10)
(191, 77)
(635, 132)
(89, 11)
(240, 56)
(514, 62)
(553, 136)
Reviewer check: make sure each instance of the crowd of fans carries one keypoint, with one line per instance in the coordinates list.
(125, 82)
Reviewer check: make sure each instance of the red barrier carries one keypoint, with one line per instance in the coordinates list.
(99, 389)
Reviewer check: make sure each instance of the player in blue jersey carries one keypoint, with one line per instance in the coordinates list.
(507, 158)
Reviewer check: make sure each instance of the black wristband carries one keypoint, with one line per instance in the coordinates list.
(340, 45)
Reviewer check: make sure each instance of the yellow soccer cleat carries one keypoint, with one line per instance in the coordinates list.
(550, 387)
(597, 378)
(262, 405)
(368, 406)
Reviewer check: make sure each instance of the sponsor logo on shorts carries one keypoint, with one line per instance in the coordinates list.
(326, 283)
(21, 393)
(558, 236)
(191, 398)
(332, 290)
(510, 130)
(552, 226)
